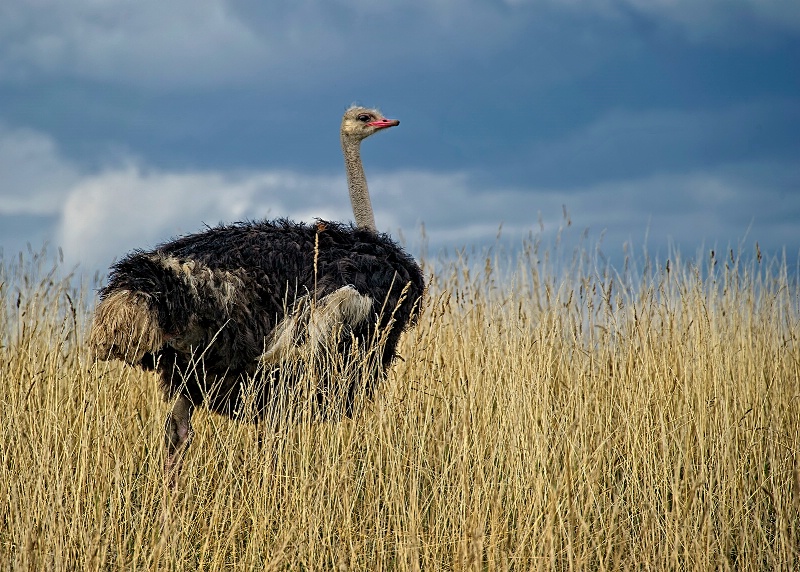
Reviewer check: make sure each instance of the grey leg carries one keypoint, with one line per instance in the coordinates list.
(177, 436)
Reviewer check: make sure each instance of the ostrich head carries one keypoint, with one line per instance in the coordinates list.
(359, 123)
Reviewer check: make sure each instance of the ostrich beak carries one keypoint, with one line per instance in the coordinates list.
(384, 123)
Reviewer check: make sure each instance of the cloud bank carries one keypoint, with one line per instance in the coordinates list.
(101, 215)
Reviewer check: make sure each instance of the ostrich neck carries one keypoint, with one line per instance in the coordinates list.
(357, 183)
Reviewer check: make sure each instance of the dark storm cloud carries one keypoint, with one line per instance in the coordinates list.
(128, 122)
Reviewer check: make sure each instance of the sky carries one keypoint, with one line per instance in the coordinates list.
(653, 124)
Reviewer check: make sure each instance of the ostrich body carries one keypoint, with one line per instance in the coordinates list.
(208, 309)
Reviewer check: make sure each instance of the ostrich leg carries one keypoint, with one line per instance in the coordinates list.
(177, 436)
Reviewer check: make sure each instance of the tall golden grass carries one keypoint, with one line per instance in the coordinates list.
(542, 417)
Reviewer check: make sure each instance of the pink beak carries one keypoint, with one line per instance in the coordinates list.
(384, 123)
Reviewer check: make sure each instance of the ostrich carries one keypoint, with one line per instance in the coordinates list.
(256, 294)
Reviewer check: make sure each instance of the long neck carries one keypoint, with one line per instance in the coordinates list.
(357, 183)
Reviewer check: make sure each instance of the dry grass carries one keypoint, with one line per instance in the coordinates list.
(540, 419)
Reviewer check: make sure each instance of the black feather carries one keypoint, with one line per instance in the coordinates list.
(271, 263)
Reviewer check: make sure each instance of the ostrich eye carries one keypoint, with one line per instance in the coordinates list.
(364, 117)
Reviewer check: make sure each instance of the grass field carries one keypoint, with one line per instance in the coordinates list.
(543, 417)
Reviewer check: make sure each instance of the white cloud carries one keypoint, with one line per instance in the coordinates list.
(107, 214)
